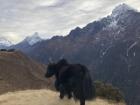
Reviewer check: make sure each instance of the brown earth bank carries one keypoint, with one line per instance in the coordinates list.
(18, 72)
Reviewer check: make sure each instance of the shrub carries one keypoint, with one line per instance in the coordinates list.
(107, 91)
(11, 50)
(3, 49)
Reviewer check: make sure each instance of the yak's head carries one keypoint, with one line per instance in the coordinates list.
(51, 70)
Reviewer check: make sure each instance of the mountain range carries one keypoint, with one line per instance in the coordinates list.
(26, 44)
(109, 47)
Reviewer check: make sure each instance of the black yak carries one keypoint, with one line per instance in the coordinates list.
(53, 69)
(72, 80)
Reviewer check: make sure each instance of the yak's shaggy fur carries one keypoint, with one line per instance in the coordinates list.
(72, 80)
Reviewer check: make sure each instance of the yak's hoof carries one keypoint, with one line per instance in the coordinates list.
(61, 96)
(69, 96)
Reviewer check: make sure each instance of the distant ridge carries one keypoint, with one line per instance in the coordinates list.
(4, 43)
(122, 9)
(26, 44)
(31, 40)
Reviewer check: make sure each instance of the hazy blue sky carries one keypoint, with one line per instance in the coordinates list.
(20, 18)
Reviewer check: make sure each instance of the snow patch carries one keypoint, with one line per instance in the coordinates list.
(121, 9)
(33, 39)
(131, 46)
(113, 24)
(5, 42)
(134, 54)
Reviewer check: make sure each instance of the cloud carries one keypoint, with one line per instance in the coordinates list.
(13, 37)
(51, 17)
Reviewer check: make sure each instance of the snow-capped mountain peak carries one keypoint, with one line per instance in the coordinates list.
(33, 39)
(121, 9)
(4, 42)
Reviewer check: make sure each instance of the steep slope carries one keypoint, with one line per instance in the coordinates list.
(18, 72)
(43, 97)
(109, 47)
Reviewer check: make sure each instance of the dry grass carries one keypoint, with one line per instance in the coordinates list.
(43, 97)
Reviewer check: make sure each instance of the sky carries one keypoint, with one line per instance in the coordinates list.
(21, 18)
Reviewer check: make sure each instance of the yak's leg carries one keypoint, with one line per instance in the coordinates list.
(69, 95)
(62, 91)
(69, 92)
(82, 101)
(57, 85)
(61, 95)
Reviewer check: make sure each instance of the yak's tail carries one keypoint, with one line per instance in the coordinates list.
(88, 87)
